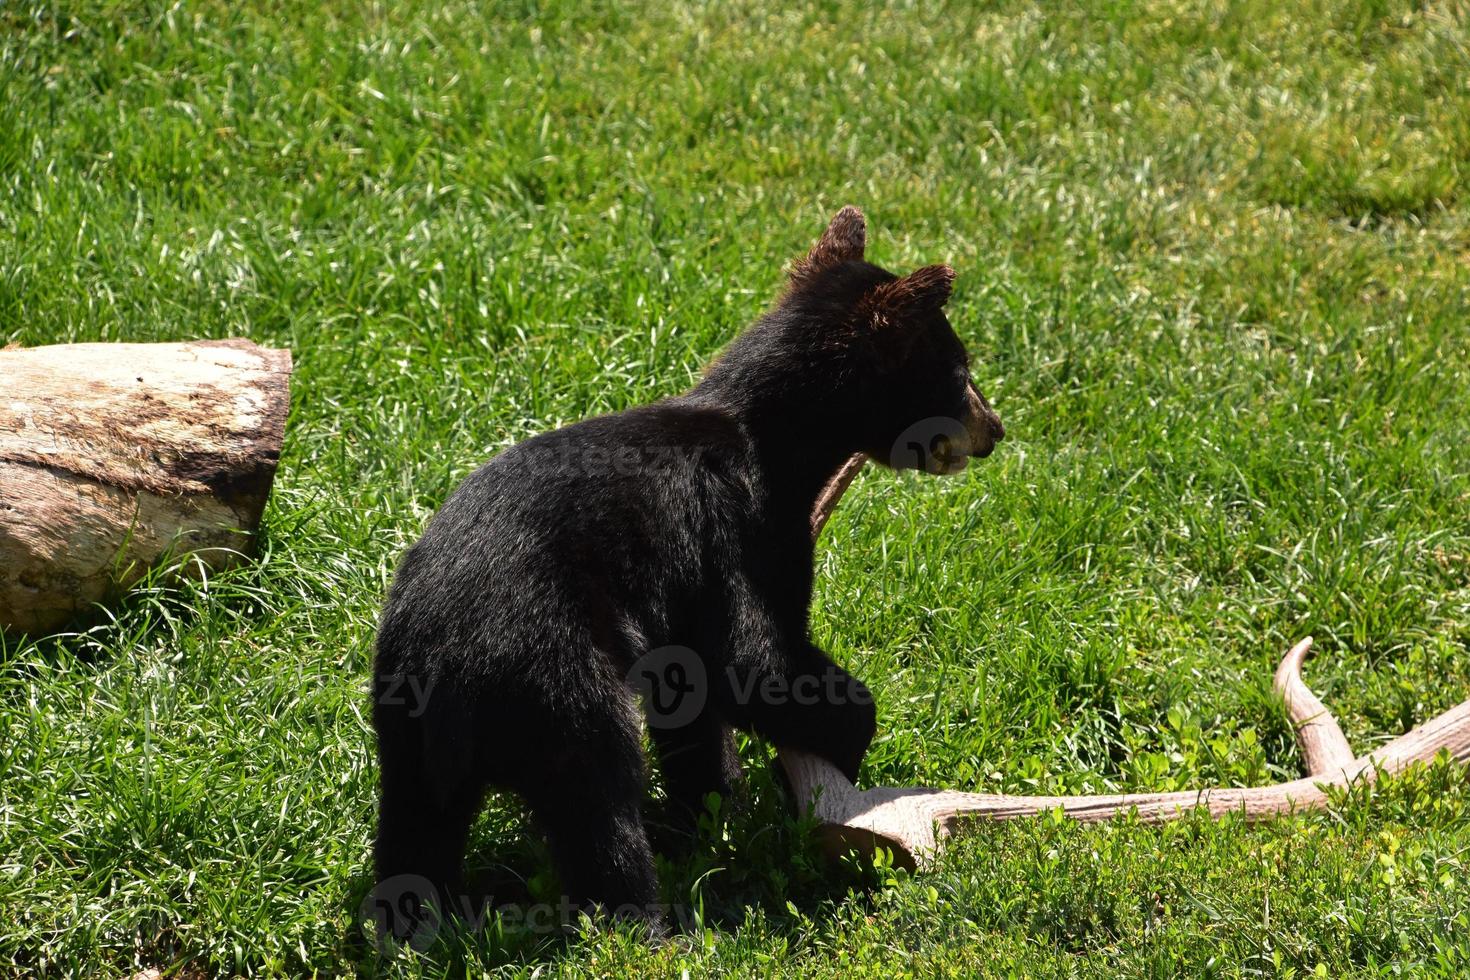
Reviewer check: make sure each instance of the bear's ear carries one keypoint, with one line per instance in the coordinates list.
(843, 241)
(922, 290)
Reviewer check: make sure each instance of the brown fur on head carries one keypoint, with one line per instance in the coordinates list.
(903, 314)
(863, 358)
(926, 288)
(845, 240)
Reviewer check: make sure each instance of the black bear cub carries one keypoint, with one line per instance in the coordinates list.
(506, 646)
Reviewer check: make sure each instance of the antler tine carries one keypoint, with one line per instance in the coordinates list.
(1324, 747)
(833, 491)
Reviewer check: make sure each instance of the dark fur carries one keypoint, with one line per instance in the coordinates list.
(559, 563)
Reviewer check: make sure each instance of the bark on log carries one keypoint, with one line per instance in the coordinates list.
(114, 457)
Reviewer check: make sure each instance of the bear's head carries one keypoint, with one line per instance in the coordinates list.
(859, 359)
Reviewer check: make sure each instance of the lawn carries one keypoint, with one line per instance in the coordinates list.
(1214, 269)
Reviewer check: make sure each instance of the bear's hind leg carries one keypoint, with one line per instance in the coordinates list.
(589, 802)
(425, 812)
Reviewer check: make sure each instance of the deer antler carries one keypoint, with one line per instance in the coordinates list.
(913, 822)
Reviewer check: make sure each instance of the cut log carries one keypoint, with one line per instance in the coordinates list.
(912, 822)
(115, 457)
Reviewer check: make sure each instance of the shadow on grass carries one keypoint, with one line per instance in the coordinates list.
(759, 856)
(181, 595)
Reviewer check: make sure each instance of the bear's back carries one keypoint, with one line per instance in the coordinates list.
(599, 526)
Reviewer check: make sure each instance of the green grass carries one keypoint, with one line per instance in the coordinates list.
(1213, 267)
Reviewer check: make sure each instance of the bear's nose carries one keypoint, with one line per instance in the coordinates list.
(985, 426)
